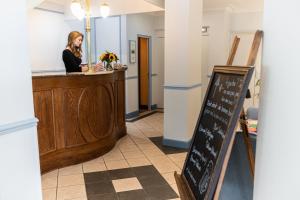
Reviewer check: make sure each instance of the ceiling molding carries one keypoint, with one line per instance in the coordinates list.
(33, 3)
(52, 7)
(159, 3)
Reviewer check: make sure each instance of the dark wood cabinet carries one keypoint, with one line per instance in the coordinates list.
(80, 116)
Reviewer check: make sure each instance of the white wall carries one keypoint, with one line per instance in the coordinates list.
(108, 35)
(219, 36)
(277, 157)
(244, 26)
(48, 35)
(223, 26)
(246, 21)
(158, 60)
(143, 24)
(19, 169)
(182, 92)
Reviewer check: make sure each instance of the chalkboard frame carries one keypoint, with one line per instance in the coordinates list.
(236, 70)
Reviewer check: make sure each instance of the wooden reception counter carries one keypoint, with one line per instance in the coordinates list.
(80, 116)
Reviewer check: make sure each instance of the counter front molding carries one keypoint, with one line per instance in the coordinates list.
(80, 117)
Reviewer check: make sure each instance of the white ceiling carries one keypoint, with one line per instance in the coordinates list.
(119, 7)
(236, 5)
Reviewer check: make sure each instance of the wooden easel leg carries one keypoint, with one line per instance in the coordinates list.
(224, 167)
(247, 142)
(182, 188)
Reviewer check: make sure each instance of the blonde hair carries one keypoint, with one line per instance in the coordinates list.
(77, 51)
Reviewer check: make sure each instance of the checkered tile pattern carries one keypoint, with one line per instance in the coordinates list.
(137, 168)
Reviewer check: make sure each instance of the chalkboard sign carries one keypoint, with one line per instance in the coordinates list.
(217, 120)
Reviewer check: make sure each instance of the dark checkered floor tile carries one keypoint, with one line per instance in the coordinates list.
(99, 185)
(158, 141)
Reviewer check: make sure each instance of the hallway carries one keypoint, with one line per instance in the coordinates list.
(138, 167)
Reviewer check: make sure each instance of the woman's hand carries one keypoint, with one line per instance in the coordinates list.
(98, 67)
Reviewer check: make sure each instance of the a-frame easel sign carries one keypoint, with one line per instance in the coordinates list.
(213, 133)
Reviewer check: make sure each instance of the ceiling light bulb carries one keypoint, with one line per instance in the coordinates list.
(104, 10)
(77, 9)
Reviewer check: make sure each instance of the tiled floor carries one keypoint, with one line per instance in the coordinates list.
(135, 169)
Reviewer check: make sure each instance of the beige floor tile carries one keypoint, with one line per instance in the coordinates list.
(113, 155)
(159, 158)
(118, 164)
(70, 180)
(169, 177)
(125, 148)
(139, 140)
(71, 192)
(71, 170)
(166, 168)
(125, 140)
(140, 124)
(133, 154)
(164, 165)
(152, 133)
(130, 125)
(133, 131)
(49, 194)
(174, 187)
(136, 136)
(138, 162)
(178, 159)
(174, 199)
(49, 182)
(180, 163)
(96, 160)
(94, 167)
(51, 174)
(144, 129)
(126, 184)
(177, 156)
(147, 146)
(80, 198)
(152, 153)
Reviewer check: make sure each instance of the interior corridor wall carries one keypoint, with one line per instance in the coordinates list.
(48, 34)
(19, 170)
(223, 26)
(143, 24)
(159, 59)
(277, 160)
(244, 25)
(107, 37)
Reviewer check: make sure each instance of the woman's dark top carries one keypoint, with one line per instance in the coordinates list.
(72, 63)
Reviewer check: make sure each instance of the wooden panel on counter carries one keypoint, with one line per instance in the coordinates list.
(80, 116)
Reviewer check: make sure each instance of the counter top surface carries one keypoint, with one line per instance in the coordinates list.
(63, 73)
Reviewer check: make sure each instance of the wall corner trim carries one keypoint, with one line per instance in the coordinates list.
(132, 114)
(182, 87)
(177, 143)
(17, 126)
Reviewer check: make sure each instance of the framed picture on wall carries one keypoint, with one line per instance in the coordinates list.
(132, 51)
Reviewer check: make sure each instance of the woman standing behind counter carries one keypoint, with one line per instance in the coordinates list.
(73, 53)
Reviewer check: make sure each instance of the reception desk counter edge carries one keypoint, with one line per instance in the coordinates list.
(80, 117)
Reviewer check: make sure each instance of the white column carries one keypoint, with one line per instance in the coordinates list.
(278, 148)
(19, 156)
(182, 92)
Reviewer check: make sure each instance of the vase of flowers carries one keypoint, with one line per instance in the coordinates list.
(107, 58)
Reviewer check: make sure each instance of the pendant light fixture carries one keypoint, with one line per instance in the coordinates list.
(77, 10)
(104, 10)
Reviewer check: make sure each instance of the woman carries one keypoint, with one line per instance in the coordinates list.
(73, 53)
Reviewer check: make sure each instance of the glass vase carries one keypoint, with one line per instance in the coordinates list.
(108, 67)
